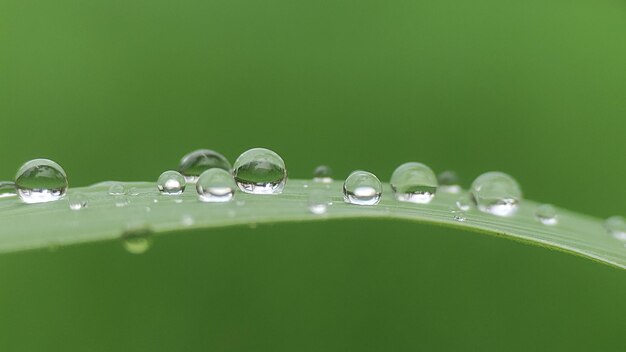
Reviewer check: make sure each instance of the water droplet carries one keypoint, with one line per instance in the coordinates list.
(117, 189)
(215, 185)
(616, 226)
(546, 214)
(121, 201)
(362, 188)
(7, 189)
(414, 182)
(463, 203)
(496, 193)
(41, 181)
(171, 183)
(449, 182)
(78, 201)
(195, 163)
(459, 216)
(136, 238)
(260, 171)
(318, 202)
(187, 220)
(134, 191)
(323, 174)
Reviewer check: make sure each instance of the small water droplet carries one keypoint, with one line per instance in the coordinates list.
(117, 189)
(215, 185)
(78, 201)
(41, 181)
(362, 188)
(323, 174)
(318, 202)
(305, 186)
(171, 183)
(414, 182)
(546, 214)
(195, 163)
(459, 216)
(260, 171)
(155, 201)
(449, 182)
(7, 189)
(121, 201)
(134, 192)
(616, 226)
(496, 193)
(187, 220)
(137, 238)
(463, 203)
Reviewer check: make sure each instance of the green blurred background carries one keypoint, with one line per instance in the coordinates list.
(122, 89)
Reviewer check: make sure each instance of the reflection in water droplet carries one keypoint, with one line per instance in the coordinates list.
(616, 226)
(414, 182)
(195, 163)
(318, 202)
(260, 171)
(215, 185)
(117, 189)
(41, 181)
(362, 188)
(7, 189)
(496, 193)
(137, 238)
(171, 183)
(323, 174)
(78, 201)
(546, 214)
(449, 182)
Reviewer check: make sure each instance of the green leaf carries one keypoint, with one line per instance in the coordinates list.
(31, 226)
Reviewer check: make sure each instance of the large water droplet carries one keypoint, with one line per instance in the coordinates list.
(137, 238)
(496, 193)
(260, 171)
(449, 182)
(40, 181)
(215, 185)
(616, 226)
(195, 163)
(78, 201)
(318, 202)
(171, 183)
(546, 214)
(362, 188)
(7, 189)
(414, 182)
(117, 189)
(323, 174)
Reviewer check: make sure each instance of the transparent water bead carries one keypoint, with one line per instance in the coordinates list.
(121, 201)
(414, 182)
(362, 188)
(7, 189)
(117, 189)
(171, 183)
(323, 174)
(78, 201)
(463, 203)
(215, 185)
(616, 226)
(449, 182)
(459, 216)
(318, 202)
(496, 193)
(41, 181)
(195, 163)
(546, 214)
(136, 238)
(260, 171)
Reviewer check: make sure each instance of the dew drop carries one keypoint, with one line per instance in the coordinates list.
(323, 174)
(121, 201)
(195, 163)
(7, 189)
(459, 216)
(449, 182)
(496, 193)
(41, 181)
(134, 191)
(171, 183)
(616, 226)
(318, 202)
(463, 203)
(546, 214)
(117, 189)
(414, 182)
(260, 171)
(215, 185)
(136, 238)
(78, 201)
(362, 188)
